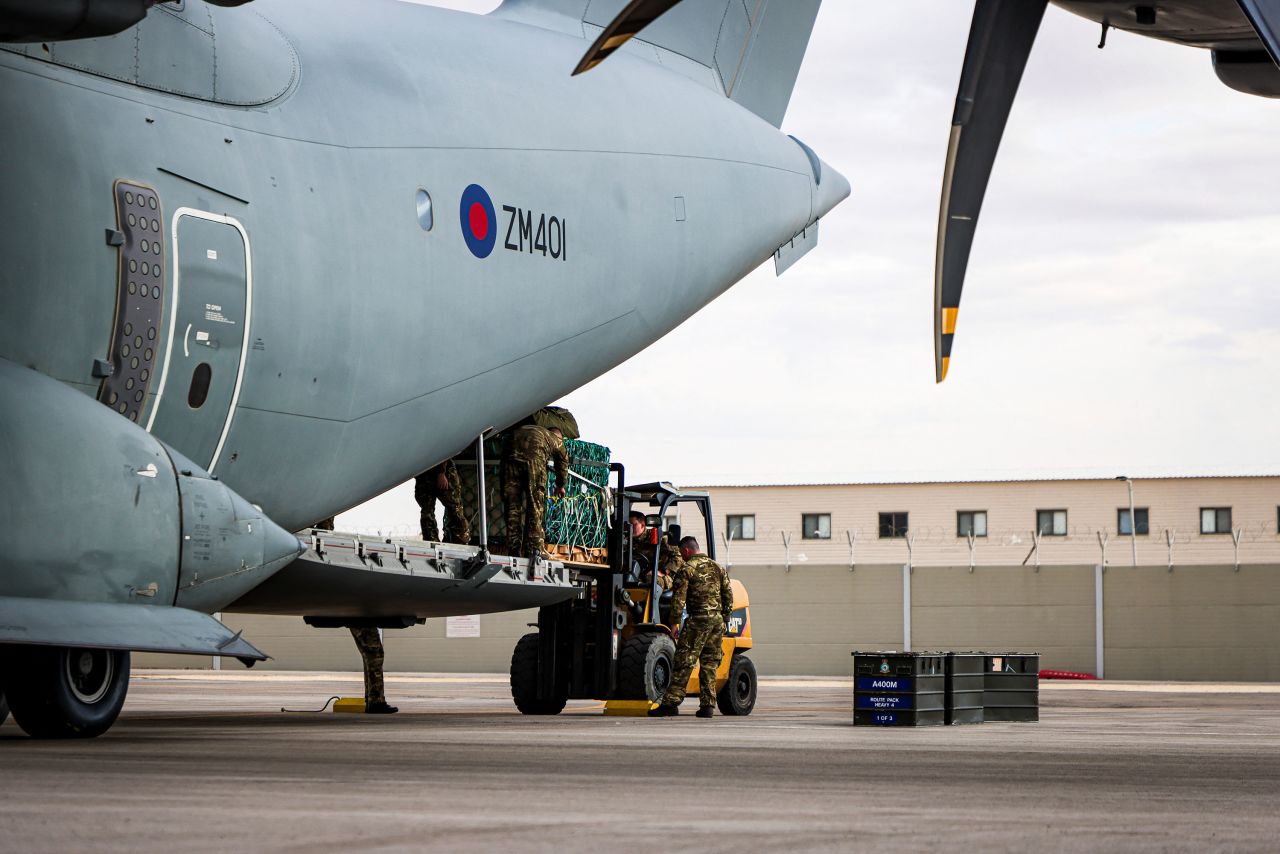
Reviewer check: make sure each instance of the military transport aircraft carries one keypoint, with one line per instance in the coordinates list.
(263, 261)
(1243, 37)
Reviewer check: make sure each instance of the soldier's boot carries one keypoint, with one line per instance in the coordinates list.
(664, 711)
(704, 712)
(380, 707)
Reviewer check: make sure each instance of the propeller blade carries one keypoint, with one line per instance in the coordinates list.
(637, 15)
(1000, 41)
(1265, 17)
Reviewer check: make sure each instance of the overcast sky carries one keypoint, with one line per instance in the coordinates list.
(1121, 307)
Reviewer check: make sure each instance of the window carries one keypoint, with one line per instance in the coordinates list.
(1051, 523)
(740, 527)
(817, 526)
(971, 522)
(198, 393)
(1215, 520)
(1122, 521)
(893, 526)
(422, 200)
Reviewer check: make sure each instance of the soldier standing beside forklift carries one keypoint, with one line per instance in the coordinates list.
(524, 486)
(702, 586)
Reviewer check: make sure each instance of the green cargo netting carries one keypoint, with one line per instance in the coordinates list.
(581, 518)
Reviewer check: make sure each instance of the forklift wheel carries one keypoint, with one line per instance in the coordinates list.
(524, 680)
(645, 665)
(738, 696)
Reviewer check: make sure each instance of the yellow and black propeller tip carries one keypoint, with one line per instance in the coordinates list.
(637, 15)
(947, 334)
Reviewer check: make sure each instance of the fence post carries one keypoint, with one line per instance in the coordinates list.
(1235, 545)
(1168, 539)
(906, 607)
(971, 544)
(911, 541)
(1098, 622)
(727, 538)
(1035, 538)
(786, 548)
(1103, 536)
(851, 536)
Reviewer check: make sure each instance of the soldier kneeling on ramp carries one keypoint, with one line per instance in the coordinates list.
(702, 586)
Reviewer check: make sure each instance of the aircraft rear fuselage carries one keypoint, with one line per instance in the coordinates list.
(313, 344)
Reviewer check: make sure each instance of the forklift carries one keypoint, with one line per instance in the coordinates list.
(613, 642)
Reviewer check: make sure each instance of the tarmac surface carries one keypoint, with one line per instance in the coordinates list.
(203, 761)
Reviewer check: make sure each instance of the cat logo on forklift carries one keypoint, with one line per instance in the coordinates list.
(737, 622)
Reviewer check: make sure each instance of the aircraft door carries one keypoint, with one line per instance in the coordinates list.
(208, 331)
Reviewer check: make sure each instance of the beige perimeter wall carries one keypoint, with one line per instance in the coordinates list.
(1195, 623)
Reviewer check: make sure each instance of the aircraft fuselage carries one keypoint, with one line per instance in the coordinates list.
(344, 347)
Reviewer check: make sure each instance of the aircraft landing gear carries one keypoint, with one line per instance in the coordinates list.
(59, 692)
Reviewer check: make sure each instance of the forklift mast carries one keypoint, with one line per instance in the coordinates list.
(579, 639)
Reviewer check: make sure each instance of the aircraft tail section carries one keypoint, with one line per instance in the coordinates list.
(749, 50)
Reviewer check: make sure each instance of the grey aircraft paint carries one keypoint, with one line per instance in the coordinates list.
(316, 247)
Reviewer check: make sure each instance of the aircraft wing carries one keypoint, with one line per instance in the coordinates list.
(1265, 17)
(1000, 42)
(108, 625)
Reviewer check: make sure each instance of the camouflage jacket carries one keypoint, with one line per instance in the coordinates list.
(702, 587)
(537, 446)
(669, 560)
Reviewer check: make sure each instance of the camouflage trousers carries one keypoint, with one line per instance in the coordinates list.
(524, 495)
(369, 642)
(426, 491)
(699, 643)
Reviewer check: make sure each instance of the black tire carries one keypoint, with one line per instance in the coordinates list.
(58, 692)
(524, 680)
(738, 696)
(646, 663)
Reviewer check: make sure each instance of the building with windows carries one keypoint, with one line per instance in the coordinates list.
(1189, 520)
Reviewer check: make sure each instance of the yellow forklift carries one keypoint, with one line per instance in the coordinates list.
(613, 642)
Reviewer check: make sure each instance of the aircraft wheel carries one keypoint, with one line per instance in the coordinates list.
(524, 680)
(646, 663)
(738, 696)
(59, 692)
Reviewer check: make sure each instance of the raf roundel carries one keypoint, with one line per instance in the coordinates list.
(478, 220)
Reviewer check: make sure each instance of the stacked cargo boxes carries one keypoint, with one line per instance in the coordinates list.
(930, 688)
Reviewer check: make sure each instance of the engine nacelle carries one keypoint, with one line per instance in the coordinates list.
(1249, 71)
(97, 510)
(58, 20)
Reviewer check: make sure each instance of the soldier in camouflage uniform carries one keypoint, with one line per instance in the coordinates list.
(702, 587)
(524, 485)
(669, 559)
(442, 484)
(369, 642)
